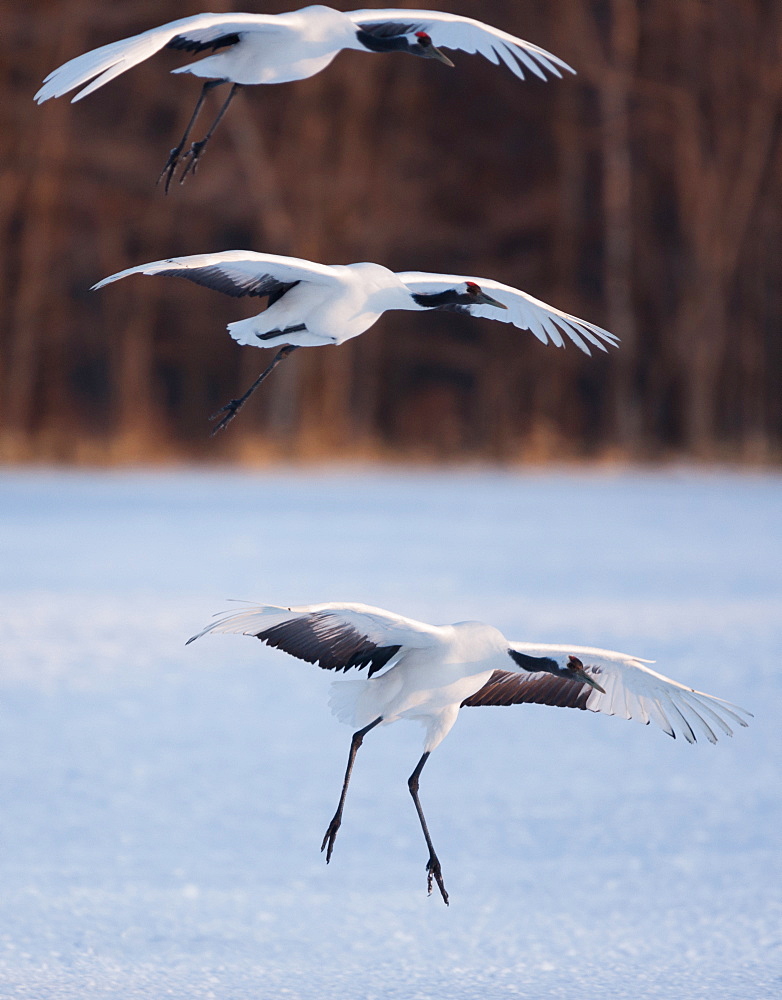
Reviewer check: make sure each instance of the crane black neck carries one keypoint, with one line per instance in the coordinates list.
(438, 300)
(387, 43)
(534, 664)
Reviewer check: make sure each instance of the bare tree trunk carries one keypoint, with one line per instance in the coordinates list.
(37, 310)
(616, 107)
(718, 174)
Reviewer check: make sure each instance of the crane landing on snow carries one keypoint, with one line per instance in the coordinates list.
(426, 673)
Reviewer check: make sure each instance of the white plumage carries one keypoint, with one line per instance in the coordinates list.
(313, 304)
(248, 49)
(426, 673)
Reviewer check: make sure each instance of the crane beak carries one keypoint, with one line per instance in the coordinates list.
(487, 300)
(434, 53)
(582, 675)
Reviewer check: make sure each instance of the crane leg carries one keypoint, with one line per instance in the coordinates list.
(336, 822)
(433, 870)
(176, 152)
(197, 148)
(233, 406)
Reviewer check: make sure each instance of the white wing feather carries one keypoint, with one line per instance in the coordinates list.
(379, 626)
(239, 268)
(546, 322)
(635, 691)
(453, 31)
(108, 61)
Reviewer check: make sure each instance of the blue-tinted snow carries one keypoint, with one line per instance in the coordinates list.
(163, 807)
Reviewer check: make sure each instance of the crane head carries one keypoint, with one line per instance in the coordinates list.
(576, 671)
(479, 297)
(423, 46)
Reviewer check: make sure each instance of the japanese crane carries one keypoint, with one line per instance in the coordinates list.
(246, 49)
(426, 673)
(313, 304)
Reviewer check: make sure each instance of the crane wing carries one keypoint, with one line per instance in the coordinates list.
(194, 34)
(522, 310)
(632, 691)
(237, 272)
(336, 636)
(453, 31)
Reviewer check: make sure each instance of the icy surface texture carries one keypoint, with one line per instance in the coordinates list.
(163, 807)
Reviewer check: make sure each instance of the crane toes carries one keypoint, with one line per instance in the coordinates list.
(170, 167)
(192, 157)
(434, 873)
(230, 410)
(331, 836)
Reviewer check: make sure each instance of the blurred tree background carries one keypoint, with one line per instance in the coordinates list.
(642, 194)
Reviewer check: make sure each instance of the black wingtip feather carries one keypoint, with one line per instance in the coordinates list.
(221, 279)
(322, 639)
(185, 44)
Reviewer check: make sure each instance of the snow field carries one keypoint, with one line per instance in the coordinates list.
(163, 806)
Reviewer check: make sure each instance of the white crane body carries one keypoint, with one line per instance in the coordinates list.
(297, 45)
(425, 685)
(331, 314)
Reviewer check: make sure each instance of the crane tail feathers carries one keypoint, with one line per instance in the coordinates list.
(346, 702)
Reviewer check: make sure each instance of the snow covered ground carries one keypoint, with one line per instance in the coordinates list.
(163, 806)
